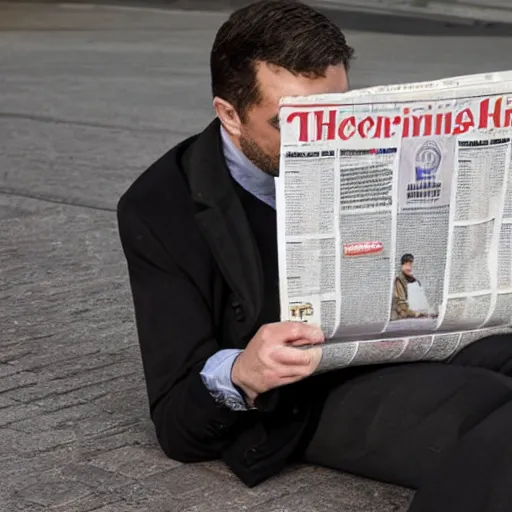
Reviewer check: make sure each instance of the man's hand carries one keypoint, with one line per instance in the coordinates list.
(271, 358)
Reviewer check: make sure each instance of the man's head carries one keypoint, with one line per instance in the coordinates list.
(407, 262)
(271, 49)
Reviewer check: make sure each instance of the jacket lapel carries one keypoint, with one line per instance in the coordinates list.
(224, 224)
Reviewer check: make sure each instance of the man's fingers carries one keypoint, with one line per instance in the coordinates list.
(286, 332)
(302, 342)
(296, 361)
(293, 356)
(293, 368)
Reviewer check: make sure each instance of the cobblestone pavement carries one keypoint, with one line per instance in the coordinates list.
(88, 98)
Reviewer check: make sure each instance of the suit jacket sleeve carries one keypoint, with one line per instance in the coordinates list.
(176, 338)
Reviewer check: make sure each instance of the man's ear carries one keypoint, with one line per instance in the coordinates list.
(228, 116)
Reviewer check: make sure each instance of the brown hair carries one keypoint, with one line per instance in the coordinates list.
(285, 33)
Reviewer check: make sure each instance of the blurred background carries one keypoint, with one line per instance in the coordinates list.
(90, 95)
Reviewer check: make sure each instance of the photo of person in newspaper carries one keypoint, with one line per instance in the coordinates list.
(409, 298)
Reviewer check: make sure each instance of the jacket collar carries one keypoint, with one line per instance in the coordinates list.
(224, 224)
(207, 172)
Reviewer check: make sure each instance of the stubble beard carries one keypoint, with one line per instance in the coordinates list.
(265, 162)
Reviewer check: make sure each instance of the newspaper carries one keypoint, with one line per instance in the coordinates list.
(394, 211)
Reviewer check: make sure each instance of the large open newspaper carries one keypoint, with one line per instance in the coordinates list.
(395, 217)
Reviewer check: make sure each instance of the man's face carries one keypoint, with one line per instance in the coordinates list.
(259, 133)
(407, 268)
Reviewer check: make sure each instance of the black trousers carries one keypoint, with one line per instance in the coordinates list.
(444, 429)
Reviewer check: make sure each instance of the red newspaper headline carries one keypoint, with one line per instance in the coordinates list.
(362, 248)
(329, 124)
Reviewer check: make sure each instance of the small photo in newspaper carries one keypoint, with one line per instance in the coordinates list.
(302, 312)
(426, 172)
(411, 308)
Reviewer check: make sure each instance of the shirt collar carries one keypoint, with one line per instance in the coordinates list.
(246, 174)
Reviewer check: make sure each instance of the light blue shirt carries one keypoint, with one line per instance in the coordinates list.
(246, 174)
(216, 373)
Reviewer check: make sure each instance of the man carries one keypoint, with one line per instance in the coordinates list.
(225, 378)
(406, 284)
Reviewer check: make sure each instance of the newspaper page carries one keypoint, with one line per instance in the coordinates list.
(395, 217)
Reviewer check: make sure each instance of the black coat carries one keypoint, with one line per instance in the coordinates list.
(196, 280)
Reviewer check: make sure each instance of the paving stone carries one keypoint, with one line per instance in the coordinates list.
(66, 417)
(122, 506)
(105, 423)
(19, 471)
(20, 443)
(47, 386)
(305, 501)
(126, 401)
(6, 402)
(93, 502)
(187, 482)
(22, 380)
(7, 369)
(144, 499)
(141, 434)
(85, 419)
(339, 492)
(135, 461)
(357, 494)
(302, 501)
(16, 412)
(98, 478)
(82, 395)
(78, 369)
(51, 354)
(137, 496)
(193, 484)
(66, 349)
(19, 505)
(45, 360)
(291, 480)
(58, 493)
